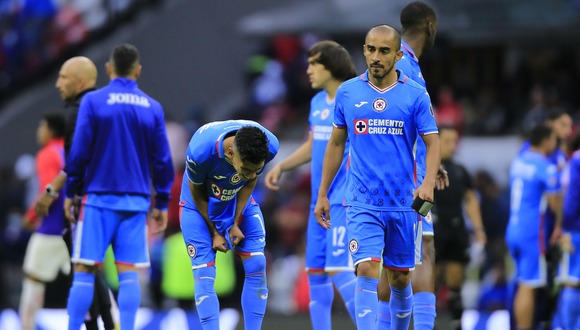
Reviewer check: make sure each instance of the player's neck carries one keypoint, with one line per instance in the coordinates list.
(540, 150)
(415, 42)
(385, 81)
(228, 144)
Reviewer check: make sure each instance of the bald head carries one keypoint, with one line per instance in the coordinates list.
(382, 50)
(75, 76)
(384, 32)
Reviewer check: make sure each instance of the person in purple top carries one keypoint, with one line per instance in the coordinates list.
(47, 253)
(568, 309)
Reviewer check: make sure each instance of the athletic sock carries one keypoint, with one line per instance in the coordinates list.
(321, 296)
(129, 298)
(80, 298)
(31, 300)
(568, 308)
(255, 292)
(366, 302)
(345, 283)
(384, 315)
(401, 307)
(206, 300)
(424, 310)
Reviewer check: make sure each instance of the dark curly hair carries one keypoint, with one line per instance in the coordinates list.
(252, 144)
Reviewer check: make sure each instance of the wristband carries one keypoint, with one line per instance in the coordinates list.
(50, 191)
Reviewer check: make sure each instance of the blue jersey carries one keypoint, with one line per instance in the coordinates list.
(558, 157)
(532, 176)
(320, 119)
(119, 140)
(409, 65)
(382, 126)
(206, 164)
(571, 185)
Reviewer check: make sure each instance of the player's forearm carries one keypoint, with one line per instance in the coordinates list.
(243, 197)
(199, 197)
(432, 158)
(332, 161)
(58, 182)
(301, 156)
(555, 203)
(473, 210)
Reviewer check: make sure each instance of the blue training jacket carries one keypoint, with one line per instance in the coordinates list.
(119, 141)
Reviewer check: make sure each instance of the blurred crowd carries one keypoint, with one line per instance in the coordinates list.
(503, 97)
(34, 35)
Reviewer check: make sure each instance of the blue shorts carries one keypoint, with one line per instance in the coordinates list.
(98, 227)
(569, 269)
(530, 262)
(198, 240)
(390, 234)
(326, 249)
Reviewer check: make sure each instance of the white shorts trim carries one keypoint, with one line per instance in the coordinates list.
(338, 269)
(46, 255)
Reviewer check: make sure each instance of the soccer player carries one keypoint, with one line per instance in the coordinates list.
(381, 112)
(419, 23)
(561, 123)
(77, 77)
(452, 239)
(327, 260)
(119, 147)
(47, 252)
(568, 309)
(218, 212)
(534, 185)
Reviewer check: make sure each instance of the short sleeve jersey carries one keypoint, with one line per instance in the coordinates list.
(382, 126)
(532, 176)
(320, 119)
(207, 165)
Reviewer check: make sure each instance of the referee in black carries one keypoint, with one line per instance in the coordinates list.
(452, 238)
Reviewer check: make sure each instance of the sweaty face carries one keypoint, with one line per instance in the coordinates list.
(67, 83)
(381, 52)
(247, 170)
(448, 139)
(317, 73)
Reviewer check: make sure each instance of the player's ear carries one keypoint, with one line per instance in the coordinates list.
(430, 29)
(399, 55)
(108, 68)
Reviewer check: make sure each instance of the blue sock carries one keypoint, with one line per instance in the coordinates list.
(129, 298)
(568, 308)
(401, 307)
(366, 302)
(424, 310)
(384, 315)
(255, 292)
(321, 296)
(206, 300)
(345, 283)
(80, 298)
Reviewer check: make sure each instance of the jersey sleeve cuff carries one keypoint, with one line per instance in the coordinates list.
(161, 202)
